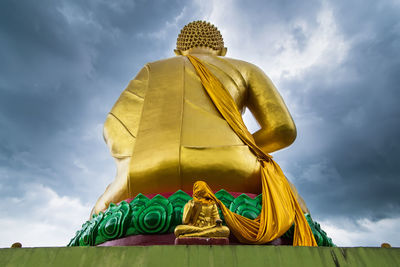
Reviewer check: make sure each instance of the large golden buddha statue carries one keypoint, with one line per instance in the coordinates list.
(165, 133)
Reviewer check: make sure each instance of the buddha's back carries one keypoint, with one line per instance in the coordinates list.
(165, 132)
(180, 137)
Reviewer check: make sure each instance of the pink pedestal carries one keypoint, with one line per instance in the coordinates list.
(141, 240)
(201, 241)
(169, 239)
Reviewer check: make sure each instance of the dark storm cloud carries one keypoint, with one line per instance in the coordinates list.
(352, 119)
(64, 63)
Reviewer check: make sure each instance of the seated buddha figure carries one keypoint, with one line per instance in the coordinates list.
(201, 219)
(164, 131)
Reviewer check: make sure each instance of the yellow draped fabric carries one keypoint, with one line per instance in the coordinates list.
(280, 208)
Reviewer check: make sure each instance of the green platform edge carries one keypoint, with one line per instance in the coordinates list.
(240, 255)
(160, 215)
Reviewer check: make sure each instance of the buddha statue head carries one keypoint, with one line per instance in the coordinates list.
(200, 37)
(202, 192)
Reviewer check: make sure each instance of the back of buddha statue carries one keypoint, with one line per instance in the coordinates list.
(191, 139)
(165, 132)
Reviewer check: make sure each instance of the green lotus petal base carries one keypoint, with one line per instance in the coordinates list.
(161, 215)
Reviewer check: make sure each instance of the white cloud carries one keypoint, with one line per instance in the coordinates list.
(41, 217)
(120, 6)
(250, 121)
(364, 232)
(274, 46)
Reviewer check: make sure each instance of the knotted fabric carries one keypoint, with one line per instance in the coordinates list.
(280, 208)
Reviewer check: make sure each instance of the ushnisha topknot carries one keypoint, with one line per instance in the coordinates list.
(199, 34)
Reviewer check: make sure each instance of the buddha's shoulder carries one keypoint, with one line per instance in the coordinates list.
(241, 65)
(167, 61)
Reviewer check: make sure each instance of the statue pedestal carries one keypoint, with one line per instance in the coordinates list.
(201, 241)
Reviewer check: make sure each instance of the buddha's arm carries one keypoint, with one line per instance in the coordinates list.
(120, 131)
(277, 127)
(187, 212)
(215, 214)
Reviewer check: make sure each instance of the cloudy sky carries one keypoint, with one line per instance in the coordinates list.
(63, 64)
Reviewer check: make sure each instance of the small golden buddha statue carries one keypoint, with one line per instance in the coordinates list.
(164, 131)
(201, 218)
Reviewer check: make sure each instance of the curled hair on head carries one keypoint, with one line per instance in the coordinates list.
(199, 34)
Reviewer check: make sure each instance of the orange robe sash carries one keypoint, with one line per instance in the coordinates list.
(280, 208)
